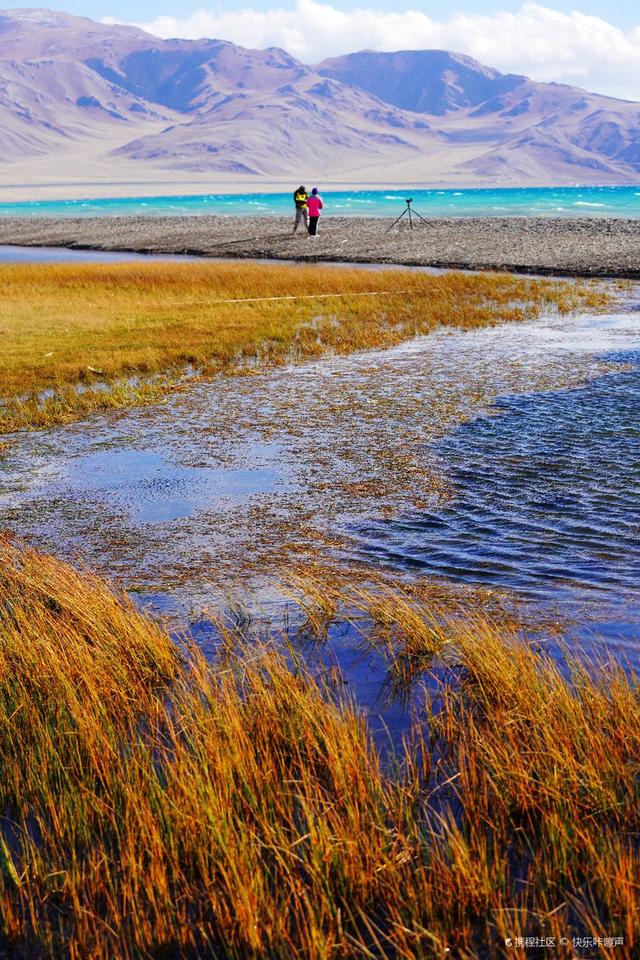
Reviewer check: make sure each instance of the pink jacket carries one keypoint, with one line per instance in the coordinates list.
(314, 205)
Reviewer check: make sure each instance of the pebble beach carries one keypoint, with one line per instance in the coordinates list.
(582, 247)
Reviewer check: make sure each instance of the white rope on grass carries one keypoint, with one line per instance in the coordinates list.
(316, 296)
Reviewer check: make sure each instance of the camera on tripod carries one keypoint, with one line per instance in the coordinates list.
(411, 213)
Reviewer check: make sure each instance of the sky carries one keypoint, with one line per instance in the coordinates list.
(589, 43)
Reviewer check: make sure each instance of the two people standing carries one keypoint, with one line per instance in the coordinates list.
(308, 207)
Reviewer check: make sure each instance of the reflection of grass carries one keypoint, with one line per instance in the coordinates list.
(156, 806)
(110, 330)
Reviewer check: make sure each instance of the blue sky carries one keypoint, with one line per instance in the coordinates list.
(622, 13)
(587, 43)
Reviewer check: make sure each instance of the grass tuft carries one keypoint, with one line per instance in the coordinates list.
(153, 804)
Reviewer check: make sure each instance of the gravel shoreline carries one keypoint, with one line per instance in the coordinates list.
(585, 247)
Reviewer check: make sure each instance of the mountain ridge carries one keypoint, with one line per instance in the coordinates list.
(89, 97)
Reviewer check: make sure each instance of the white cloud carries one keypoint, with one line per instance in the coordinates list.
(538, 41)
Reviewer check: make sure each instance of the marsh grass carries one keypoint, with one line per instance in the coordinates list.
(154, 805)
(81, 338)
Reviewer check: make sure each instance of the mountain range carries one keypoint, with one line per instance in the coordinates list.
(85, 103)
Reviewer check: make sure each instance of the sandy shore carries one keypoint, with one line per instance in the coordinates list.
(544, 245)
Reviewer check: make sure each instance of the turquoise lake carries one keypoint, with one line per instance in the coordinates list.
(541, 201)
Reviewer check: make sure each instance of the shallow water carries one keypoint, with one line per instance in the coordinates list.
(13, 254)
(153, 490)
(546, 496)
(504, 457)
(545, 501)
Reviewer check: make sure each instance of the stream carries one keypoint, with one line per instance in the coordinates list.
(506, 458)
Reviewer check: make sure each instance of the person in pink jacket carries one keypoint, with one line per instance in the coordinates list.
(314, 206)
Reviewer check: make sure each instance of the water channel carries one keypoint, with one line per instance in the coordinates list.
(506, 458)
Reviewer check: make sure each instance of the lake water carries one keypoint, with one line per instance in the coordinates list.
(575, 201)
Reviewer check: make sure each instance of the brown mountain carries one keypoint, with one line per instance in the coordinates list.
(102, 107)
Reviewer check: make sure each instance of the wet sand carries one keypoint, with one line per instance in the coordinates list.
(590, 247)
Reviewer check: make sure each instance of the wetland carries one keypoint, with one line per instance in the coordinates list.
(362, 567)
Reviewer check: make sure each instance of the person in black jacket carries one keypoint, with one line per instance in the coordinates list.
(300, 197)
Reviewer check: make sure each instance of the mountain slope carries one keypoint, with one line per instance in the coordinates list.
(85, 100)
(426, 81)
(317, 124)
(187, 75)
(49, 97)
(529, 125)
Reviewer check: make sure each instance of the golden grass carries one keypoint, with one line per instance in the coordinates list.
(157, 806)
(78, 338)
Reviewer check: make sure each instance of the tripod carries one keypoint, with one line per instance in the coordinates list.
(409, 210)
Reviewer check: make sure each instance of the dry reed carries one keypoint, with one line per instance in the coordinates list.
(80, 338)
(154, 805)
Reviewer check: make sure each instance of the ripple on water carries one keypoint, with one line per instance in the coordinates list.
(177, 498)
(546, 500)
